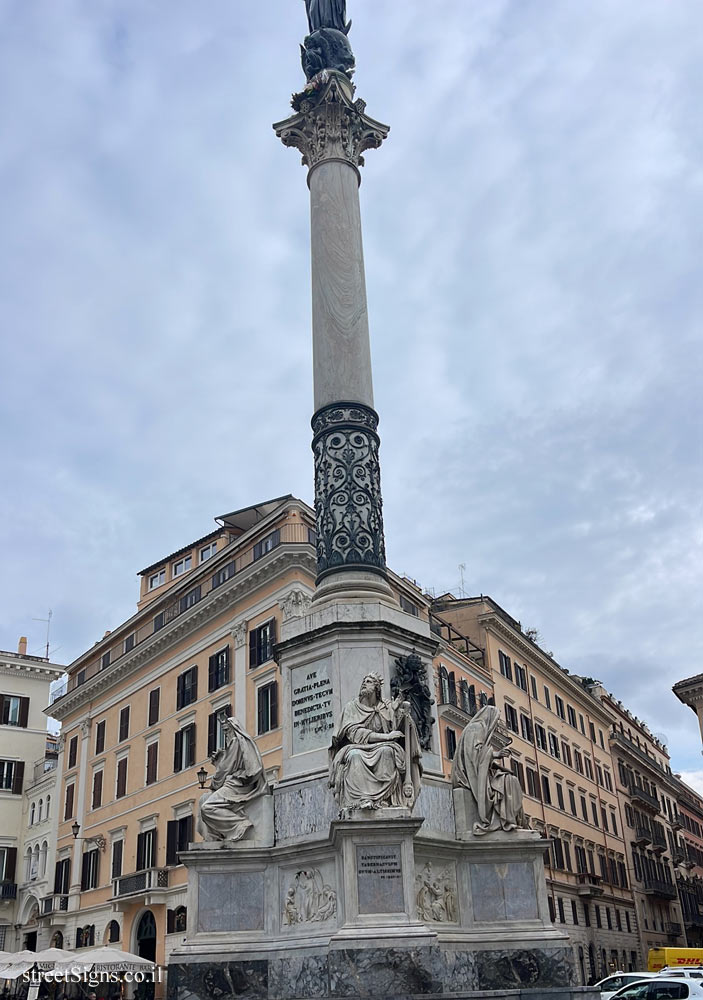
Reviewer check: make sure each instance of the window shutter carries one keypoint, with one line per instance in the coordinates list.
(151, 762)
(84, 872)
(272, 637)
(154, 699)
(194, 683)
(188, 833)
(169, 922)
(212, 672)
(260, 702)
(253, 648)
(121, 777)
(225, 661)
(10, 863)
(100, 737)
(274, 704)
(211, 733)
(140, 852)
(2, 708)
(95, 873)
(117, 858)
(18, 777)
(179, 692)
(97, 789)
(191, 745)
(57, 878)
(177, 750)
(172, 842)
(258, 548)
(24, 712)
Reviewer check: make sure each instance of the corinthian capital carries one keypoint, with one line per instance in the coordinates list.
(330, 124)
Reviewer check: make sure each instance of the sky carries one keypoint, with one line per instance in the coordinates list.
(532, 235)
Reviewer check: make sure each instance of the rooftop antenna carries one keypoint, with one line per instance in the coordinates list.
(462, 567)
(48, 626)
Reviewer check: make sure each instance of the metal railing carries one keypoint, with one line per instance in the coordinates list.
(144, 881)
(658, 887)
(643, 835)
(451, 635)
(8, 890)
(641, 793)
(54, 903)
(673, 929)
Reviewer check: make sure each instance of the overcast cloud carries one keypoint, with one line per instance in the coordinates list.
(533, 246)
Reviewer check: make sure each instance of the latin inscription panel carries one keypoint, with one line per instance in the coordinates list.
(311, 714)
(379, 872)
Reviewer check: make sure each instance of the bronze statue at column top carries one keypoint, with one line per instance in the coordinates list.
(327, 45)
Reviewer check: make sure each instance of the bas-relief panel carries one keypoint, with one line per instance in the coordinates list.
(231, 901)
(304, 810)
(307, 897)
(503, 891)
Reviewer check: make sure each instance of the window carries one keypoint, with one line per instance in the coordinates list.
(600, 738)
(218, 669)
(189, 600)
(592, 731)
(532, 784)
(552, 915)
(566, 753)
(207, 551)
(146, 850)
(217, 728)
(121, 782)
(554, 746)
(560, 795)
(505, 667)
(261, 643)
(547, 698)
(587, 914)
(90, 874)
(97, 799)
(444, 685)
(408, 607)
(129, 643)
(618, 919)
(511, 718)
(627, 922)
(526, 728)
(599, 922)
(608, 780)
(580, 859)
(124, 724)
(571, 715)
(533, 687)
(267, 707)
(578, 761)
(599, 775)
(582, 727)
(31, 815)
(14, 710)
(179, 835)
(117, 852)
(519, 772)
(152, 762)
(100, 737)
(559, 707)
(560, 908)
(540, 736)
(574, 911)
(609, 918)
(520, 676)
(222, 575)
(594, 813)
(73, 751)
(267, 544)
(181, 567)
(157, 579)
(184, 748)
(154, 706)
(113, 931)
(105, 660)
(68, 802)
(589, 767)
(451, 743)
(187, 687)
(546, 791)
(62, 877)
(12, 775)
(584, 808)
(572, 802)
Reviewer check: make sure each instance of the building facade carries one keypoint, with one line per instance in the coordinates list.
(24, 692)
(562, 757)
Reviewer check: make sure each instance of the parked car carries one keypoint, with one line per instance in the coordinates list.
(661, 988)
(611, 984)
(687, 971)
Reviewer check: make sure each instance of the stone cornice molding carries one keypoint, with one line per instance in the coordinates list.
(281, 560)
(492, 622)
(10, 668)
(329, 125)
(452, 713)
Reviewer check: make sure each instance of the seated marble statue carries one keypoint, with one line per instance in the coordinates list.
(477, 766)
(239, 778)
(375, 756)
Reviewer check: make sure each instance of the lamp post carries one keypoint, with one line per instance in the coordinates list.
(202, 777)
(98, 840)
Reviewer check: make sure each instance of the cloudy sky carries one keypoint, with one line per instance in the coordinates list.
(533, 246)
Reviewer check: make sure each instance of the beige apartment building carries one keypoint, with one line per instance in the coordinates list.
(688, 861)
(142, 712)
(563, 759)
(24, 692)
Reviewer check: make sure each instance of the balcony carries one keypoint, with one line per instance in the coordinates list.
(694, 920)
(673, 930)
(8, 890)
(641, 797)
(676, 824)
(658, 887)
(659, 844)
(643, 835)
(54, 904)
(589, 885)
(147, 886)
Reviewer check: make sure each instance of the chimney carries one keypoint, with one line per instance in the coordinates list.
(22, 645)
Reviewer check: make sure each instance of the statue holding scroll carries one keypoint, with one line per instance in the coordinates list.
(239, 778)
(477, 766)
(375, 756)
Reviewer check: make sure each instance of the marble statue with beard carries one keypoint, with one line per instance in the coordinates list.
(375, 756)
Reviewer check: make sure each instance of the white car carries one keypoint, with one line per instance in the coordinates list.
(687, 971)
(661, 988)
(609, 987)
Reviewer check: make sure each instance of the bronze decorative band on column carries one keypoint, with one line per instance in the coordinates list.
(348, 505)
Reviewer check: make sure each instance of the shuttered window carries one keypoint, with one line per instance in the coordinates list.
(68, 803)
(218, 669)
(184, 748)
(152, 762)
(124, 724)
(100, 737)
(154, 706)
(267, 707)
(261, 643)
(121, 788)
(97, 789)
(187, 687)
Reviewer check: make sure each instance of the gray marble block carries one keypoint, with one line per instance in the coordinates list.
(231, 901)
(503, 891)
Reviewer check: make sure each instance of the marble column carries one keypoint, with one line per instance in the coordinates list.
(332, 131)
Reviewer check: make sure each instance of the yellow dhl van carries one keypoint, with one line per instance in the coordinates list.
(663, 958)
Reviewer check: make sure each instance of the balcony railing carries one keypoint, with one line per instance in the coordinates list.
(8, 890)
(444, 630)
(658, 887)
(659, 843)
(673, 930)
(643, 835)
(640, 794)
(139, 882)
(54, 904)
(589, 885)
(160, 612)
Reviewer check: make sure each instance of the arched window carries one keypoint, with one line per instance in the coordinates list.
(180, 918)
(28, 864)
(32, 814)
(57, 940)
(113, 932)
(444, 685)
(42, 858)
(48, 805)
(41, 810)
(35, 862)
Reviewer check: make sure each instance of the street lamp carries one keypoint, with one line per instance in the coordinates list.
(202, 777)
(98, 840)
